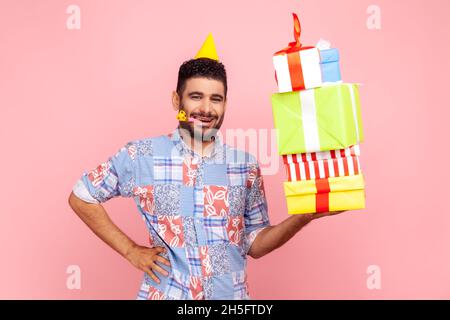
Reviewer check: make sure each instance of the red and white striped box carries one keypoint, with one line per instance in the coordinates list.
(323, 164)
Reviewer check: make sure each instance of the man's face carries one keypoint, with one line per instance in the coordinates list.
(204, 101)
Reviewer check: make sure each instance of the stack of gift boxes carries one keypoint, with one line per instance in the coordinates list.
(318, 122)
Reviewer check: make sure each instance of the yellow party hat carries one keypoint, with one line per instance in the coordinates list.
(208, 49)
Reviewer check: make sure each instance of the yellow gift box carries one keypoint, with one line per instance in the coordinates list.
(322, 195)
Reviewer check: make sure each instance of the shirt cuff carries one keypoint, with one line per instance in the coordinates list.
(82, 192)
(250, 237)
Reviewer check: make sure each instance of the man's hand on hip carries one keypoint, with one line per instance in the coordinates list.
(145, 259)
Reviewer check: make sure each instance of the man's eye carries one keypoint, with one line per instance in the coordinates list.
(217, 100)
(195, 97)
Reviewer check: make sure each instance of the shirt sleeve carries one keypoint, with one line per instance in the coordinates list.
(256, 216)
(80, 190)
(112, 178)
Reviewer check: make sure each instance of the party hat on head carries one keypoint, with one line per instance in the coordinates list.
(208, 49)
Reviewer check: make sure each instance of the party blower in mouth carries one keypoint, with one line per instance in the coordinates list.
(197, 120)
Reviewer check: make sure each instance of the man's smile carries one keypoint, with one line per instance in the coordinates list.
(203, 121)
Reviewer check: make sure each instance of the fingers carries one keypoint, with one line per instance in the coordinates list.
(157, 268)
(159, 258)
(326, 214)
(336, 212)
(152, 267)
(163, 260)
(317, 216)
(160, 249)
(152, 275)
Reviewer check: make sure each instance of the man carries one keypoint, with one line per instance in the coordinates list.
(203, 201)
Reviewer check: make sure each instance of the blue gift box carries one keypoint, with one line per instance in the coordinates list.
(329, 63)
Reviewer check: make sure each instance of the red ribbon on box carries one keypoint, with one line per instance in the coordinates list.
(323, 191)
(296, 45)
(295, 66)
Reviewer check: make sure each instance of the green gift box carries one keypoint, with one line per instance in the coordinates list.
(320, 119)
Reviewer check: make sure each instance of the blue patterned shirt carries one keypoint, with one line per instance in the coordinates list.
(206, 211)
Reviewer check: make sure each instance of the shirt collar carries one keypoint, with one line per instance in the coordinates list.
(217, 154)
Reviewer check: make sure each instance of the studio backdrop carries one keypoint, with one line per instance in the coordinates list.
(80, 78)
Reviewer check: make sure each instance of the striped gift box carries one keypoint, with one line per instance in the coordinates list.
(323, 164)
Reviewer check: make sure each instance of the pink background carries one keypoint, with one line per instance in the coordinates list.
(71, 98)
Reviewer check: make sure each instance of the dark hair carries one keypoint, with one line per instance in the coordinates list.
(201, 67)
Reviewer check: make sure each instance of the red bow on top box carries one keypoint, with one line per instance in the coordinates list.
(297, 67)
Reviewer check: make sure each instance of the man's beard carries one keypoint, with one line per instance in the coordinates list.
(200, 134)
